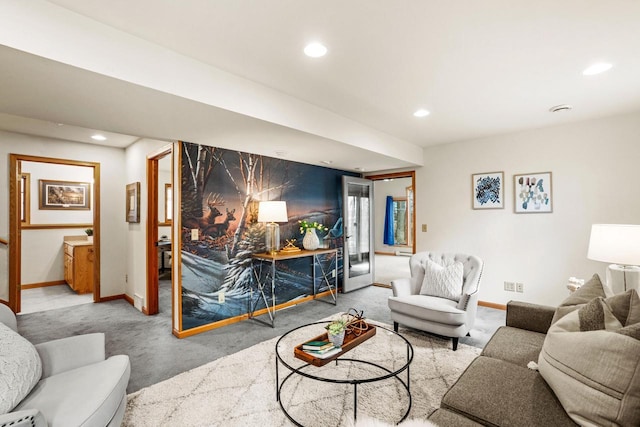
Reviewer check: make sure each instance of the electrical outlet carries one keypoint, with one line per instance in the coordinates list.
(221, 297)
(194, 234)
(509, 286)
(424, 228)
(520, 287)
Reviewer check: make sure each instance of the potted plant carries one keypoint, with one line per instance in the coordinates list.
(311, 241)
(336, 330)
(89, 232)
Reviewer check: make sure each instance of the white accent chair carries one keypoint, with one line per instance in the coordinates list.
(440, 316)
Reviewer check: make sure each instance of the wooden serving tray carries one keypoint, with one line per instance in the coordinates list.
(350, 341)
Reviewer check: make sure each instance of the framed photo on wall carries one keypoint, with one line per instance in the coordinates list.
(487, 190)
(133, 202)
(67, 195)
(533, 193)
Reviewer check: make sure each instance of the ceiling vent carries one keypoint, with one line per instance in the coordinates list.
(562, 107)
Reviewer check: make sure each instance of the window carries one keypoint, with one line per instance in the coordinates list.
(168, 203)
(25, 197)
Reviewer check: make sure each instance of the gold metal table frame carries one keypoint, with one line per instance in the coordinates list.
(263, 279)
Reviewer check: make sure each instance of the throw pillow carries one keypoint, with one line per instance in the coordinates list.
(20, 368)
(591, 360)
(443, 281)
(592, 289)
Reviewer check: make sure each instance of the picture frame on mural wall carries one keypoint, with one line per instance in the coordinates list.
(487, 190)
(133, 202)
(533, 192)
(67, 195)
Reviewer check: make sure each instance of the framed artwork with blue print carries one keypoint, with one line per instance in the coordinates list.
(487, 190)
(533, 193)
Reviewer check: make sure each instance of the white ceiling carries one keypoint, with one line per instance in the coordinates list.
(481, 67)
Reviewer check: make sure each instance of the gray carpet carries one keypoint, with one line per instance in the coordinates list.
(157, 355)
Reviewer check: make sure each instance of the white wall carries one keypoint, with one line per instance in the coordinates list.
(113, 229)
(136, 171)
(381, 189)
(594, 167)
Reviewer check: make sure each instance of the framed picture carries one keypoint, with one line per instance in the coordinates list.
(487, 190)
(133, 202)
(533, 193)
(64, 195)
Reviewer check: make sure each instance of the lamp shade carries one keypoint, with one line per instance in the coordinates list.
(272, 211)
(615, 243)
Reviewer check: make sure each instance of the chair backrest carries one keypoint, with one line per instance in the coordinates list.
(472, 269)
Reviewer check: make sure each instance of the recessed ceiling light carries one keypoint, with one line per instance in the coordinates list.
(326, 162)
(421, 113)
(281, 153)
(597, 68)
(561, 107)
(315, 50)
(98, 137)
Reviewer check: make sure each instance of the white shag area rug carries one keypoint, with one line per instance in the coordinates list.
(240, 389)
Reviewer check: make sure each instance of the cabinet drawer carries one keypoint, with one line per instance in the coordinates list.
(68, 249)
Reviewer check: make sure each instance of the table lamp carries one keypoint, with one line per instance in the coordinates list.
(272, 212)
(618, 244)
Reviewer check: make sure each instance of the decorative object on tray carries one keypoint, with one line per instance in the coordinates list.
(355, 330)
(311, 242)
(533, 193)
(290, 246)
(336, 330)
(488, 190)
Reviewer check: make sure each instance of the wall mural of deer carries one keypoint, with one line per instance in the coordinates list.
(209, 217)
(220, 229)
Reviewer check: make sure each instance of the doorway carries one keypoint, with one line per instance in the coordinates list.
(65, 209)
(160, 250)
(395, 241)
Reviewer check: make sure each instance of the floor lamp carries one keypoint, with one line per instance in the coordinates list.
(272, 212)
(618, 244)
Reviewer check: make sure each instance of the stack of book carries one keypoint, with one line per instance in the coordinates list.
(320, 349)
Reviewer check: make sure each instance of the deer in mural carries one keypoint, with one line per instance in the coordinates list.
(220, 228)
(209, 218)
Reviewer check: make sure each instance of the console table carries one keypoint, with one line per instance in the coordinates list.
(264, 271)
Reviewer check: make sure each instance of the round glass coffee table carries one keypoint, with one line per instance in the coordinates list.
(312, 395)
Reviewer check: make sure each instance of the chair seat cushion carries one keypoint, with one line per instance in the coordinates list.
(83, 396)
(429, 308)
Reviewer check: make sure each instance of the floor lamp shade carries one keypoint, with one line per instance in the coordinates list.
(618, 244)
(272, 212)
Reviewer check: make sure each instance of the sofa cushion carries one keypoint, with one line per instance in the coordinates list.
(594, 288)
(591, 360)
(514, 345)
(440, 310)
(83, 396)
(443, 281)
(495, 392)
(445, 418)
(20, 368)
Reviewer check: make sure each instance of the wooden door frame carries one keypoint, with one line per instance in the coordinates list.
(407, 174)
(152, 230)
(15, 225)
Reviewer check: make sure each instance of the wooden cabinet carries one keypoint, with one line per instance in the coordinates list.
(78, 266)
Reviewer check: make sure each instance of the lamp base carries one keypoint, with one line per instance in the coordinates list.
(621, 278)
(272, 237)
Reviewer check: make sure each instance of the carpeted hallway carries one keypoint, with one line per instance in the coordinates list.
(157, 355)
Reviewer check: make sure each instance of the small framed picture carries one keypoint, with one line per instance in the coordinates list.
(533, 193)
(133, 202)
(487, 190)
(65, 195)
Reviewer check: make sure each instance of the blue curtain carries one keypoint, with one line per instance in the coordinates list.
(388, 222)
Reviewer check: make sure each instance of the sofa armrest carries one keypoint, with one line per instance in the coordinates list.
(401, 287)
(531, 317)
(69, 353)
(8, 317)
(24, 418)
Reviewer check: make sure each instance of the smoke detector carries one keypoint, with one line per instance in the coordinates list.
(561, 107)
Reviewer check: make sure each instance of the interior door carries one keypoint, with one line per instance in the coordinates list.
(357, 206)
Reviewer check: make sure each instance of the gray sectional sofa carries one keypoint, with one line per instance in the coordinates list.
(62, 383)
(498, 389)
